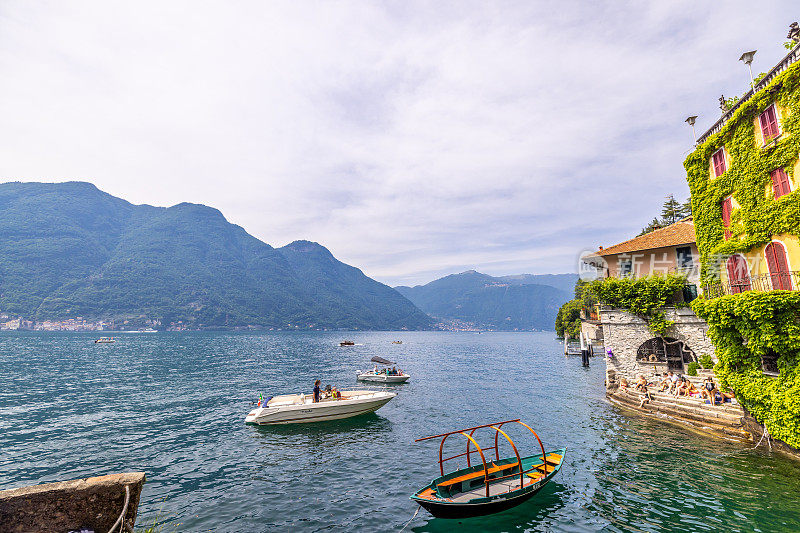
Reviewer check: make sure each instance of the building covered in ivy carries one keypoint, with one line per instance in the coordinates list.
(744, 178)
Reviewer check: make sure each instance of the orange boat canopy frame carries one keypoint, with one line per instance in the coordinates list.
(471, 440)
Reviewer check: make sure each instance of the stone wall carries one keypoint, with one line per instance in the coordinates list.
(624, 333)
(93, 503)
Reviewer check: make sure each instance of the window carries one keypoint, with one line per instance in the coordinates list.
(778, 267)
(738, 274)
(769, 363)
(780, 183)
(718, 160)
(769, 124)
(727, 207)
(625, 267)
(689, 293)
(684, 254)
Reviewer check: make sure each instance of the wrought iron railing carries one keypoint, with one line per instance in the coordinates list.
(790, 58)
(784, 281)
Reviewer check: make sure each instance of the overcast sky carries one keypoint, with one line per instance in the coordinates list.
(412, 139)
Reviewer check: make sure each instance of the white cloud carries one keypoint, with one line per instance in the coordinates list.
(412, 139)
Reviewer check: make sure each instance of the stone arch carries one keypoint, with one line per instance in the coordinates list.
(673, 352)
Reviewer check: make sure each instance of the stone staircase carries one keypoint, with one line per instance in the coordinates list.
(723, 420)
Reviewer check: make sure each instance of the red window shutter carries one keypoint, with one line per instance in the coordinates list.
(769, 123)
(778, 267)
(738, 274)
(718, 159)
(780, 182)
(726, 217)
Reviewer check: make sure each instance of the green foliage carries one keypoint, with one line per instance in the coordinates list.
(747, 178)
(706, 361)
(568, 320)
(68, 250)
(789, 44)
(745, 327)
(730, 102)
(759, 77)
(644, 297)
(692, 368)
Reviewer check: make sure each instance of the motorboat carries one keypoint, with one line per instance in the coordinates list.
(493, 485)
(301, 408)
(347, 343)
(397, 342)
(383, 374)
(105, 340)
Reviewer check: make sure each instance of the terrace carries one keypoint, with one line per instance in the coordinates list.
(783, 281)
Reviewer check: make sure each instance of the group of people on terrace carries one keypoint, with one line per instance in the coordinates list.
(679, 385)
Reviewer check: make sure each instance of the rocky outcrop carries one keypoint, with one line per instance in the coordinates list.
(93, 503)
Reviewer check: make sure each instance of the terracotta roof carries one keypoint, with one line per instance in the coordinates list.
(681, 232)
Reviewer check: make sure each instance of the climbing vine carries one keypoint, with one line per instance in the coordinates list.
(746, 327)
(747, 177)
(644, 297)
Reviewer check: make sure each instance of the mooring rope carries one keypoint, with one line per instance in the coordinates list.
(767, 435)
(412, 519)
(121, 518)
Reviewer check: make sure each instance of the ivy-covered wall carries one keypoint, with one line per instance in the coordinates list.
(747, 178)
(745, 327)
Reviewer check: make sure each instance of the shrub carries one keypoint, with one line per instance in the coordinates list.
(692, 368)
(706, 361)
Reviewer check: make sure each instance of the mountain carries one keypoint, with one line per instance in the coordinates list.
(69, 249)
(504, 303)
(562, 282)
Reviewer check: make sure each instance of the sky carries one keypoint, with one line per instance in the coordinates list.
(413, 139)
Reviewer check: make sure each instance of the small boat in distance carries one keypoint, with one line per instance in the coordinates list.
(105, 340)
(382, 375)
(347, 343)
(492, 485)
(397, 342)
(301, 408)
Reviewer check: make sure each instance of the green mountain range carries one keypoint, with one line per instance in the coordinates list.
(69, 249)
(522, 302)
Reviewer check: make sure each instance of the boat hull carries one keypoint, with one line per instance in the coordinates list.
(382, 378)
(443, 507)
(303, 411)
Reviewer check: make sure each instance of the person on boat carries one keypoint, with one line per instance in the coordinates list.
(335, 394)
(375, 370)
(316, 391)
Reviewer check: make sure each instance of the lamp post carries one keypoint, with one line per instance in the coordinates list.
(690, 121)
(747, 57)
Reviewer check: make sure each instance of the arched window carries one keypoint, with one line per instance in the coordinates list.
(778, 267)
(738, 274)
(666, 350)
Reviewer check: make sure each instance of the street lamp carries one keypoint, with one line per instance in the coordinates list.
(747, 57)
(690, 121)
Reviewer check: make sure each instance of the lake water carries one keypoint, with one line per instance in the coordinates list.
(172, 405)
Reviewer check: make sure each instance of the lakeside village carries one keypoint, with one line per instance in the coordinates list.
(699, 319)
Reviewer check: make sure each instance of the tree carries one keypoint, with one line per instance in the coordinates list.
(671, 211)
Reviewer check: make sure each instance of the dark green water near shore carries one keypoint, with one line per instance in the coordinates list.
(173, 404)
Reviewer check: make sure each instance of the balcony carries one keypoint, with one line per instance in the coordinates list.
(763, 283)
(790, 58)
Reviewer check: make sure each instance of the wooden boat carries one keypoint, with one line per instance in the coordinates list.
(491, 486)
(347, 343)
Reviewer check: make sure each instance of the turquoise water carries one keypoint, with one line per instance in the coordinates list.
(173, 404)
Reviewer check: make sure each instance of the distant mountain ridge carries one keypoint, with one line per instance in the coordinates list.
(69, 249)
(517, 302)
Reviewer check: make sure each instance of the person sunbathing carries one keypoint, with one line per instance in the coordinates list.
(691, 389)
(666, 383)
(680, 387)
(709, 389)
(623, 383)
(641, 384)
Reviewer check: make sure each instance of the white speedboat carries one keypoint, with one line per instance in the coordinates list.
(300, 408)
(382, 375)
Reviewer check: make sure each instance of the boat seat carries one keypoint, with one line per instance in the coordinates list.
(475, 475)
(553, 459)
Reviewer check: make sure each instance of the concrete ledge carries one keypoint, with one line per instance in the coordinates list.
(94, 503)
